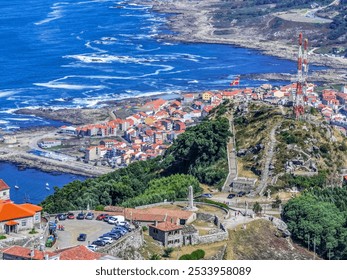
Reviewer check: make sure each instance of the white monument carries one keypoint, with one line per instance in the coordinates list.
(190, 206)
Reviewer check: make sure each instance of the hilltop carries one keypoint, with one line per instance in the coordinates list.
(309, 148)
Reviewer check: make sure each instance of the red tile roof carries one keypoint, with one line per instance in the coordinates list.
(24, 253)
(12, 211)
(166, 226)
(78, 252)
(3, 185)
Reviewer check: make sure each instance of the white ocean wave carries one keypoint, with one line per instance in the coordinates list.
(18, 119)
(3, 122)
(105, 58)
(67, 86)
(4, 93)
(56, 13)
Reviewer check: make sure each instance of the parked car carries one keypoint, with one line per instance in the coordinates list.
(82, 237)
(61, 217)
(231, 195)
(124, 224)
(89, 216)
(80, 216)
(100, 217)
(99, 243)
(70, 216)
(107, 239)
(119, 229)
(106, 218)
(111, 220)
(241, 193)
(92, 247)
(113, 235)
(121, 233)
(207, 195)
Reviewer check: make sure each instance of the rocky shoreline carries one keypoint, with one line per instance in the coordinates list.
(191, 22)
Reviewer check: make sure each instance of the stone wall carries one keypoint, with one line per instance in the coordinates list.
(220, 254)
(127, 247)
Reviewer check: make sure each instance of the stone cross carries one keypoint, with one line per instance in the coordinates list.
(190, 206)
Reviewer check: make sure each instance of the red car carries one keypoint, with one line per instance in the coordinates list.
(71, 216)
(101, 217)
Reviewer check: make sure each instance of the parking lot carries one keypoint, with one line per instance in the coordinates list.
(72, 229)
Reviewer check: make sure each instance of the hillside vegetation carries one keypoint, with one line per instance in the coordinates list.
(318, 220)
(199, 154)
(301, 148)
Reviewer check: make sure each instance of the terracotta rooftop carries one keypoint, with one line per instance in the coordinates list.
(166, 226)
(11, 211)
(24, 253)
(3, 185)
(79, 252)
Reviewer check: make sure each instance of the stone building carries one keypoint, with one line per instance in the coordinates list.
(17, 217)
(169, 234)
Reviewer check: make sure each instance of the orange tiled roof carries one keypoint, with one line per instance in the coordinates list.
(11, 211)
(3, 185)
(11, 223)
(24, 253)
(166, 226)
(78, 252)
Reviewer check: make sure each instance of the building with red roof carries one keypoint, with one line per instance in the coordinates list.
(17, 217)
(169, 234)
(78, 252)
(4, 190)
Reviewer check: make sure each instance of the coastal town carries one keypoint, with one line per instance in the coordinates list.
(153, 127)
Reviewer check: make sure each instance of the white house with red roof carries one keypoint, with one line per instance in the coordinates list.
(17, 217)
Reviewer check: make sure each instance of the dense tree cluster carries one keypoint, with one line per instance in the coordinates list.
(198, 152)
(318, 219)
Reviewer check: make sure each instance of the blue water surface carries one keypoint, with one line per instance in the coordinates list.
(77, 53)
(71, 53)
(33, 184)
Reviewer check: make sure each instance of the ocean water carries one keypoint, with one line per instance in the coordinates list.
(72, 53)
(33, 185)
(63, 54)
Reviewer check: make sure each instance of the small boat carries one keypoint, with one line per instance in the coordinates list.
(47, 187)
(16, 187)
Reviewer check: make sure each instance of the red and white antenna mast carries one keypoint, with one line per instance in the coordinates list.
(299, 93)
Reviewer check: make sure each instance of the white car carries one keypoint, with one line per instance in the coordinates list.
(108, 240)
(112, 221)
(123, 224)
(92, 247)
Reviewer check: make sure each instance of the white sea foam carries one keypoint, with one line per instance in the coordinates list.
(17, 119)
(4, 93)
(193, 82)
(67, 86)
(3, 122)
(56, 13)
(105, 58)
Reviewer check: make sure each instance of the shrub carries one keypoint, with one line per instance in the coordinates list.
(155, 257)
(100, 208)
(2, 237)
(33, 231)
(186, 257)
(144, 228)
(198, 254)
(167, 252)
